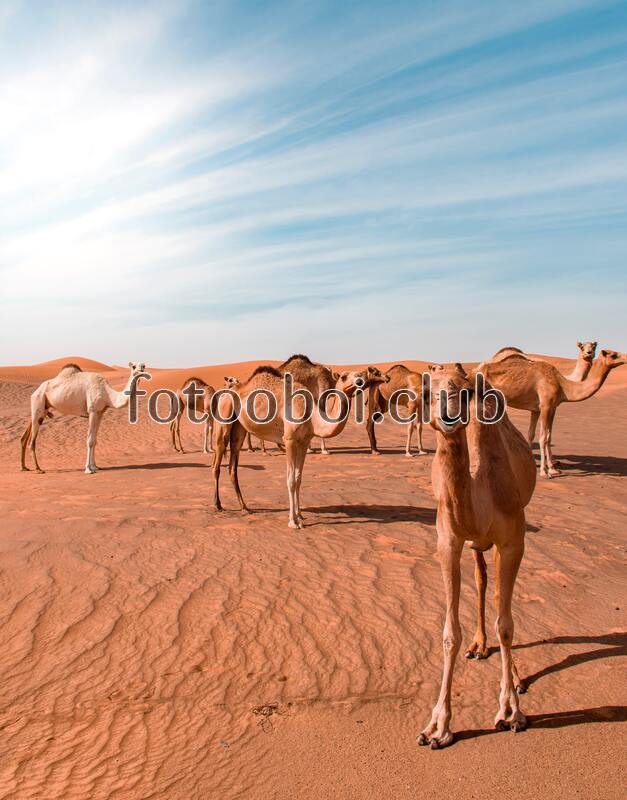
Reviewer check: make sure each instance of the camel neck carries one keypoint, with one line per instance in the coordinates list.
(582, 390)
(582, 368)
(325, 429)
(455, 501)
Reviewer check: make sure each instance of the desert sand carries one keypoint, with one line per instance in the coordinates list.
(152, 648)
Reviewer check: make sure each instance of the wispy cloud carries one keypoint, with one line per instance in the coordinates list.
(179, 176)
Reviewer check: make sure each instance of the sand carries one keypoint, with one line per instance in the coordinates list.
(151, 648)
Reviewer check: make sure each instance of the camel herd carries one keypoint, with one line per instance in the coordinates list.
(483, 475)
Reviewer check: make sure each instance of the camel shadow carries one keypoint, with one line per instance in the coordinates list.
(173, 465)
(615, 645)
(559, 719)
(593, 465)
(375, 513)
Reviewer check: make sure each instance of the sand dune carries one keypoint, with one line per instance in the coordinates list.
(154, 648)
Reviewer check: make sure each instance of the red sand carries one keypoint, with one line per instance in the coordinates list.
(154, 649)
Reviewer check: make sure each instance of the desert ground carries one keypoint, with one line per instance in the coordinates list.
(153, 648)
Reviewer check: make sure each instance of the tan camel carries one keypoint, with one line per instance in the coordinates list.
(315, 377)
(587, 352)
(230, 382)
(582, 367)
(296, 436)
(399, 378)
(483, 477)
(539, 387)
(76, 393)
(203, 406)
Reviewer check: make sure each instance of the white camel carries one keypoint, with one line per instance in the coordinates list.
(75, 393)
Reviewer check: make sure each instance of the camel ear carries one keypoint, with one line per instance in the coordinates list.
(336, 375)
(580, 345)
(594, 345)
(130, 363)
(344, 376)
(605, 353)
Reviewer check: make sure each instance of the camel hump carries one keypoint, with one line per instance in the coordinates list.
(196, 380)
(398, 368)
(512, 350)
(268, 370)
(71, 367)
(297, 357)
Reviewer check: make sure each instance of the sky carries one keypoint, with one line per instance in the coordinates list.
(187, 183)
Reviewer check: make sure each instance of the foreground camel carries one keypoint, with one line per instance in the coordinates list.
(76, 393)
(483, 477)
(539, 387)
(203, 406)
(296, 436)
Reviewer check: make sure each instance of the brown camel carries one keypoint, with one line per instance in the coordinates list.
(483, 477)
(75, 393)
(203, 406)
(539, 387)
(315, 377)
(296, 436)
(582, 367)
(399, 379)
(230, 382)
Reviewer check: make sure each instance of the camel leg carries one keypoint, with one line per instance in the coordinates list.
(291, 449)
(222, 436)
(421, 450)
(374, 450)
(437, 733)
(533, 423)
(208, 443)
(478, 648)
(301, 454)
(249, 443)
(24, 443)
(323, 448)
(35, 426)
(263, 447)
(507, 562)
(547, 467)
(238, 434)
(410, 433)
(92, 436)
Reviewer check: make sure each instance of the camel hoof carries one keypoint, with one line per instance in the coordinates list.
(422, 739)
(501, 725)
(409, 455)
(218, 507)
(521, 688)
(518, 725)
(40, 471)
(246, 510)
(375, 452)
(434, 745)
(90, 472)
(423, 452)
(294, 525)
(24, 469)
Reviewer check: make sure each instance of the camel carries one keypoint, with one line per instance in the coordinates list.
(483, 476)
(203, 406)
(230, 382)
(76, 393)
(399, 378)
(539, 387)
(315, 377)
(296, 436)
(582, 367)
(587, 351)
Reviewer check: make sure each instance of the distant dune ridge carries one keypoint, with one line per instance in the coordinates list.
(152, 648)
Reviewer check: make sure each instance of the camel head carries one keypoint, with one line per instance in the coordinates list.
(611, 359)
(588, 350)
(351, 380)
(230, 382)
(374, 375)
(450, 380)
(136, 367)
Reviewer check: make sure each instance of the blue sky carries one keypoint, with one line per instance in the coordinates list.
(191, 182)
